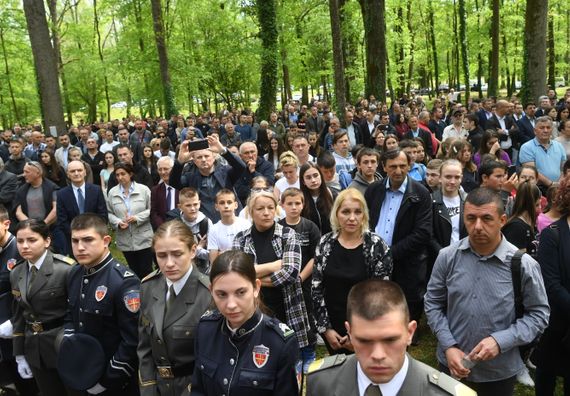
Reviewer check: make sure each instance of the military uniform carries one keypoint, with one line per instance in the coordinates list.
(104, 303)
(258, 359)
(166, 339)
(38, 317)
(336, 375)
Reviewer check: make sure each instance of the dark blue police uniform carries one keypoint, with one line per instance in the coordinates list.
(258, 359)
(104, 303)
(9, 256)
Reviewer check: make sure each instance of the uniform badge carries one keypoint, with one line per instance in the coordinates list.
(132, 300)
(285, 329)
(127, 274)
(100, 293)
(10, 264)
(260, 355)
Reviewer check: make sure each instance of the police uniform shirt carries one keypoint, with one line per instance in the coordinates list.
(390, 388)
(178, 285)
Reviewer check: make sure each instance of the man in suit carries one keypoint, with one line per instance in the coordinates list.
(400, 212)
(527, 123)
(355, 134)
(505, 124)
(61, 154)
(368, 125)
(415, 131)
(163, 197)
(315, 122)
(485, 112)
(380, 330)
(77, 198)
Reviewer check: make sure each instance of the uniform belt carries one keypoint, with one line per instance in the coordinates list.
(38, 327)
(169, 372)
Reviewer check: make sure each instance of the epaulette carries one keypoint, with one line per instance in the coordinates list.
(204, 280)
(153, 274)
(65, 259)
(326, 363)
(280, 328)
(211, 314)
(448, 384)
(124, 271)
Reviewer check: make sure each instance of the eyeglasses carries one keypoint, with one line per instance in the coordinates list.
(267, 190)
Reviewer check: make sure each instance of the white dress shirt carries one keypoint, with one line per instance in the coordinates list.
(390, 388)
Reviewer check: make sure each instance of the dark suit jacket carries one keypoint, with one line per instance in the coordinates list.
(510, 124)
(316, 125)
(67, 209)
(425, 136)
(526, 130)
(341, 380)
(411, 236)
(158, 207)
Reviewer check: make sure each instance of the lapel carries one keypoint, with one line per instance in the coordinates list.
(72, 199)
(161, 191)
(22, 281)
(406, 202)
(88, 199)
(347, 384)
(414, 377)
(42, 276)
(186, 297)
(157, 311)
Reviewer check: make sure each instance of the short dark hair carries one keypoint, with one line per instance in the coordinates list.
(408, 143)
(529, 104)
(126, 167)
(326, 160)
(393, 154)
(4, 215)
(234, 261)
(488, 167)
(373, 298)
(483, 196)
(37, 226)
(339, 135)
(89, 220)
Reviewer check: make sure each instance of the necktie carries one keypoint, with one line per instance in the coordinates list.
(80, 201)
(373, 390)
(168, 198)
(171, 297)
(32, 276)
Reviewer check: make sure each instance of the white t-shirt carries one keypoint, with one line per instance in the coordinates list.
(221, 236)
(282, 185)
(453, 208)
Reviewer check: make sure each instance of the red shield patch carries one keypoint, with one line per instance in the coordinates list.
(260, 355)
(10, 264)
(132, 301)
(100, 293)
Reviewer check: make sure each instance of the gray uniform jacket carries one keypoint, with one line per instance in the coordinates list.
(168, 340)
(339, 378)
(38, 315)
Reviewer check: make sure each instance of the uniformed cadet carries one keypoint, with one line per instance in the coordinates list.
(39, 286)
(173, 298)
(104, 302)
(9, 256)
(380, 330)
(239, 349)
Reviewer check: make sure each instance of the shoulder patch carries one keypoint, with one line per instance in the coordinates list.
(211, 314)
(281, 328)
(326, 363)
(448, 384)
(153, 274)
(12, 263)
(65, 259)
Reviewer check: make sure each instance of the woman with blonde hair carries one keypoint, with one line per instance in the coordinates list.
(289, 165)
(350, 253)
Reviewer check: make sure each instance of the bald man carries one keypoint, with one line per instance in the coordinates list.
(504, 123)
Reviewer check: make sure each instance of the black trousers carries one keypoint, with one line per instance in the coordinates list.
(9, 374)
(140, 261)
(49, 382)
(504, 387)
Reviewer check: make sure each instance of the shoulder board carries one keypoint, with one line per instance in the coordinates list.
(449, 385)
(211, 314)
(204, 280)
(121, 269)
(281, 328)
(326, 363)
(65, 259)
(152, 275)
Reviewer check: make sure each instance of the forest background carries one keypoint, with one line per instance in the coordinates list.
(98, 59)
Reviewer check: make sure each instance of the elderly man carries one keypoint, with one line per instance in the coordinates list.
(36, 199)
(163, 197)
(547, 155)
(36, 146)
(470, 301)
(232, 137)
(255, 166)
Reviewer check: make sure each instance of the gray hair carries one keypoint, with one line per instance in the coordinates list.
(544, 119)
(166, 158)
(264, 124)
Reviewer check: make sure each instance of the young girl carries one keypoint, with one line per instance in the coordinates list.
(318, 197)
(52, 170)
(149, 162)
(275, 152)
(109, 168)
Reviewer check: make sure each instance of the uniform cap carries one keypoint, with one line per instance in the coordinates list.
(81, 361)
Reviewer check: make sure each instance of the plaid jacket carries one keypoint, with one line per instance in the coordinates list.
(378, 260)
(287, 247)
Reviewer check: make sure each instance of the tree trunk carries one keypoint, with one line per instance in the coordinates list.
(138, 18)
(412, 48)
(567, 73)
(285, 69)
(158, 25)
(551, 54)
(398, 29)
(507, 64)
(464, 49)
(534, 58)
(433, 45)
(373, 16)
(479, 53)
(45, 63)
(9, 78)
(267, 16)
(456, 49)
(494, 66)
(338, 61)
(101, 58)
(348, 53)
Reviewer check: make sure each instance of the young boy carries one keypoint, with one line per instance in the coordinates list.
(432, 181)
(292, 202)
(417, 171)
(189, 213)
(221, 235)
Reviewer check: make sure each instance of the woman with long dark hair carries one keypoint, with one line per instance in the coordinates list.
(490, 145)
(52, 170)
(520, 229)
(148, 160)
(276, 148)
(318, 197)
(462, 151)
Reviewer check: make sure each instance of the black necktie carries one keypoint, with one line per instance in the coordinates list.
(171, 297)
(373, 390)
(168, 198)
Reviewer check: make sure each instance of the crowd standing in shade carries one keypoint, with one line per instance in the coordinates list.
(245, 240)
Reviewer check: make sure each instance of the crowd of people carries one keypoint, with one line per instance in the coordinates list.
(246, 241)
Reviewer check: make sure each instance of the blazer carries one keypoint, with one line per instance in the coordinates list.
(138, 235)
(158, 207)
(67, 208)
(526, 130)
(339, 378)
(510, 124)
(46, 303)
(168, 339)
(425, 136)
